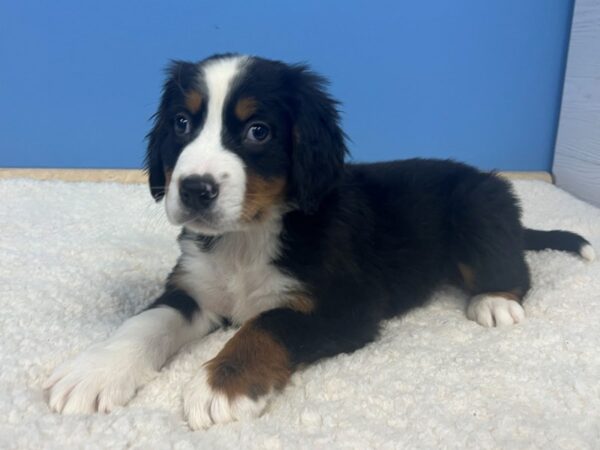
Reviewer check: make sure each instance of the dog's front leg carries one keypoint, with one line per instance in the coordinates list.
(260, 358)
(108, 374)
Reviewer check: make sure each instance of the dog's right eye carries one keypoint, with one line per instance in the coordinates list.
(182, 124)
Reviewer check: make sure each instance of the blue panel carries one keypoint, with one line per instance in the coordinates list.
(474, 80)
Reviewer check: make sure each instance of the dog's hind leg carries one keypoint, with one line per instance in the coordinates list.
(487, 241)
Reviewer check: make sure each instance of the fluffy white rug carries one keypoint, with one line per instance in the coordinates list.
(79, 258)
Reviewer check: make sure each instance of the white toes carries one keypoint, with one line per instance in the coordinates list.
(502, 316)
(203, 406)
(99, 379)
(516, 311)
(494, 310)
(80, 399)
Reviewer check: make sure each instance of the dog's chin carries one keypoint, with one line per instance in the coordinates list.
(200, 227)
(210, 226)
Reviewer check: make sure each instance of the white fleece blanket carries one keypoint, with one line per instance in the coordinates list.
(79, 258)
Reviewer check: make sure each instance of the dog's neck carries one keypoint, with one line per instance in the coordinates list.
(252, 240)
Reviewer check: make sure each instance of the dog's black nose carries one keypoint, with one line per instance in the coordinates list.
(198, 192)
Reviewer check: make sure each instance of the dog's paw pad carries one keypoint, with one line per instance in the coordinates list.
(495, 310)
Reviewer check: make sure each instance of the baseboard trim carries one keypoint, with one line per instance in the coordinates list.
(540, 176)
(131, 176)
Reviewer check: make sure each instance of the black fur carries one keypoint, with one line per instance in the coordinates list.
(179, 300)
(318, 148)
(162, 153)
(555, 239)
(387, 237)
(367, 241)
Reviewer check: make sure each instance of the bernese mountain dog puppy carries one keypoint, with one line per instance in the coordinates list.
(305, 252)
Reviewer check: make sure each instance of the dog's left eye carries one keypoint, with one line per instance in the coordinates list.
(258, 133)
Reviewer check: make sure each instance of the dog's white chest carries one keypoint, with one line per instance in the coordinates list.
(236, 279)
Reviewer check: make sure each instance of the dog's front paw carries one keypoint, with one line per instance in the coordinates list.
(205, 404)
(238, 383)
(494, 310)
(99, 379)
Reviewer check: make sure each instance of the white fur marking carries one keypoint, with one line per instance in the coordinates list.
(203, 406)
(108, 374)
(493, 310)
(236, 278)
(587, 252)
(205, 155)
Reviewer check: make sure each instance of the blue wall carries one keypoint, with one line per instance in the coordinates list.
(475, 80)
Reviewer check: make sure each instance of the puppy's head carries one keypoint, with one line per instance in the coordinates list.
(235, 138)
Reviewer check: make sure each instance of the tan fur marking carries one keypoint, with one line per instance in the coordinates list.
(302, 303)
(245, 107)
(193, 101)
(252, 363)
(261, 195)
(468, 276)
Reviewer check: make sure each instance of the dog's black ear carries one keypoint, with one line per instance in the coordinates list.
(154, 163)
(319, 146)
(158, 152)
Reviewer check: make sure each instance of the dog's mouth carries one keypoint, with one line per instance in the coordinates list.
(182, 216)
(210, 224)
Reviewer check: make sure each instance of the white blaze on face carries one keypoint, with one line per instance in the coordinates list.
(205, 155)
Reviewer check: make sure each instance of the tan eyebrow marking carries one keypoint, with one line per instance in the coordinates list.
(193, 101)
(245, 107)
